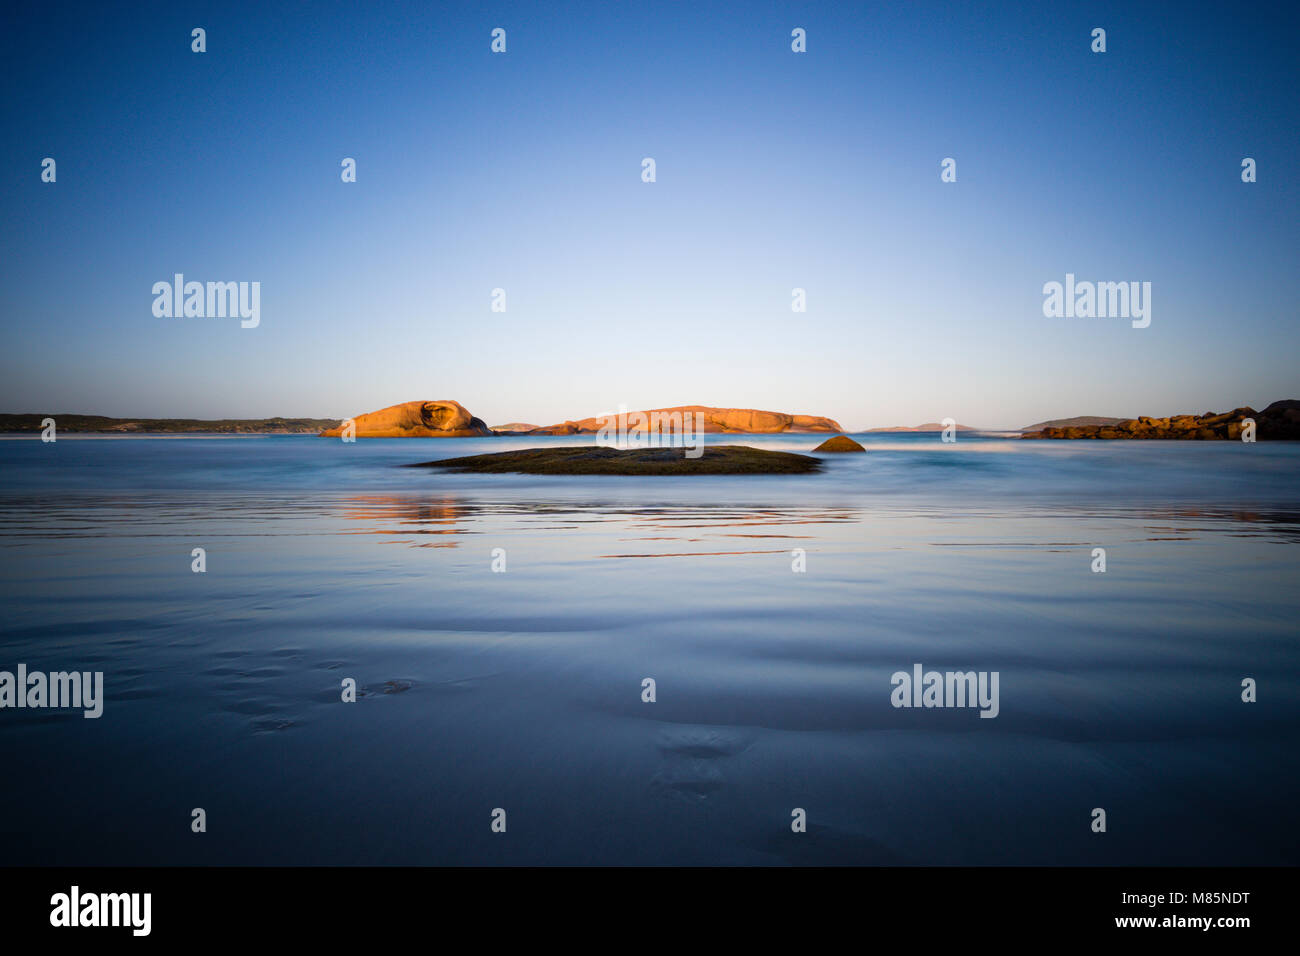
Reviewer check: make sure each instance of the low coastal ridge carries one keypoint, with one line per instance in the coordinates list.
(100, 424)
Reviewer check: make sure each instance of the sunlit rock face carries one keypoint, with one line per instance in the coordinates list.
(438, 419)
(715, 421)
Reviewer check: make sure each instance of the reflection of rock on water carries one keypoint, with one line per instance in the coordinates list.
(400, 515)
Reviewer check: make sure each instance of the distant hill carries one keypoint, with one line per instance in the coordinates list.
(99, 424)
(1077, 422)
(927, 427)
(514, 427)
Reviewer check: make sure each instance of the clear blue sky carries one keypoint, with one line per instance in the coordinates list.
(775, 170)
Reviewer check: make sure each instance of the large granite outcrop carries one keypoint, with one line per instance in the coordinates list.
(716, 421)
(439, 419)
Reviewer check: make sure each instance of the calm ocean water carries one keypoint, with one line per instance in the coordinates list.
(522, 690)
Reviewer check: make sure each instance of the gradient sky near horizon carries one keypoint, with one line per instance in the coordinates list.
(775, 170)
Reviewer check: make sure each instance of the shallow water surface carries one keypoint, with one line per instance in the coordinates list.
(522, 690)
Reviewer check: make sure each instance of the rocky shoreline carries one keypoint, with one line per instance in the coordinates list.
(1278, 422)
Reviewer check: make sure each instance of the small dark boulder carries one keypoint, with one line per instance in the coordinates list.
(839, 443)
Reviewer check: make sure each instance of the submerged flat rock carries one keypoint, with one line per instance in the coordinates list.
(591, 460)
